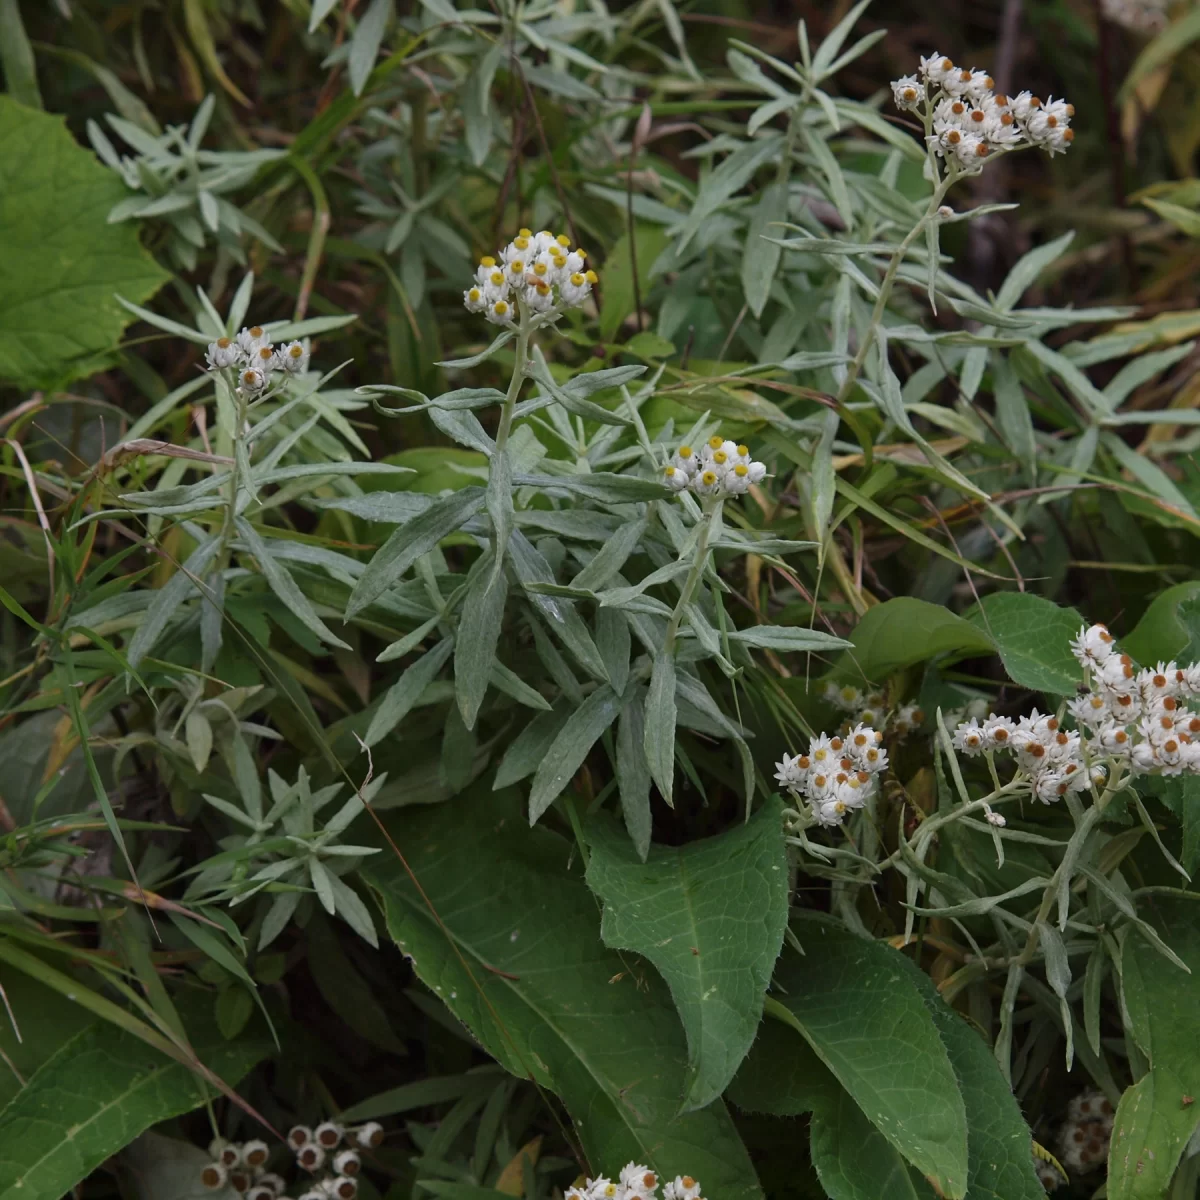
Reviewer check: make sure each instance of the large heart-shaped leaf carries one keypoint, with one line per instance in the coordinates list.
(515, 953)
(710, 916)
(62, 261)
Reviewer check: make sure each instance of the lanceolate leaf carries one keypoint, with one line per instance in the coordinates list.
(523, 967)
(478, 634)
(102, 1089)
(659, 735)
(866, 1020)
(410, 541)
(710, 916)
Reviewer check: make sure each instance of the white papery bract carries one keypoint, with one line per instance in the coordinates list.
(837, 776)
(539, 270)
(966, 121)
(721, 468)
(1137, 721)
(635, 1182)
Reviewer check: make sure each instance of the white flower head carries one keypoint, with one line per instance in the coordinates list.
(675, 478)
(682, 1187)
(253, 379)
(224, 352)
(936, 68)
(293, 358)
(252, 338)
(539, 270)
(908, 92)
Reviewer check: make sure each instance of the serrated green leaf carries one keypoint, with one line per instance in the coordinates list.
(62, 261)
(710, 916)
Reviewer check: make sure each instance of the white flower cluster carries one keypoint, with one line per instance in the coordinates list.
(1139, 16)
(966, 120)
(870, 708)
(838, 774)
(539, 270)
(635, 1182)
(242, 1165)
(1084, 1137)
(722, 468)
(1136, 719)
(256, 357)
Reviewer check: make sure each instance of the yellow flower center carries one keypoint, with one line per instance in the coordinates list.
(500, 308)
(474, 295)
(525, 233)
(591, 277)
(563, 240)
(720, 458)
(685, 452)
(577, 279)
(487, 261)
(741, 470)
(709, 478)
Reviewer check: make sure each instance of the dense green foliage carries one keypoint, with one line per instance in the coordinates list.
(399, 725)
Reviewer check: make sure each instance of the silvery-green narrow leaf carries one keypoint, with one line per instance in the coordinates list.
(1141, 369)
(827, 51)
(932, 250)
(633, 775)
(406, 691)
(560, 615)
(352, 910)
(212, 619)
(747, 761)
(399, 233)
(364, 45)
(283, 908)
(659, 737)
(974, 363)
(601, 486)
(500, 507)
(554, 663)
(761, 257)
(320, 10)
(321, 877)
(410, 541)
(1077, 383)
(169, 599)
(824, 477)
(1093, 982)
(461, 364)
(568, 750)
(477, 104)
(1058, 975)
(571, 400)
(244, 770)
(612, 640)
(856, 51)
(478, 635)
(528, 750)
(1012, 413)
(285, 331)
(506, 680)
(457, 760)
(199, 737)
(404, 645)
(730, 177)
(210, 211)
(788, 637)
(1027, 268)
(1149, 474)
(818, 147)
(463, 427)
(285, 587)
(611, 556)
(840, 321)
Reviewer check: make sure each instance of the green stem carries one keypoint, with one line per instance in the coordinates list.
(689, 584)
(885, 288)
(518, 378)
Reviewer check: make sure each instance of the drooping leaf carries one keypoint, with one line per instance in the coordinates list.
(659, 724)
(62, 261)
(710, 916)
(539, 991)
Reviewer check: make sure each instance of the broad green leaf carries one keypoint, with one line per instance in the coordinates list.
(62, 260)
(618, 296)
(855, 1004)
(710, 916)
(477, 638)
(1156, 1116)
(897, 633)
(102, 1089)
(410, 541)
(527, 974)
(570, 747)
(42, 1017)
(1167, 627)
(659, 724)
(1032, 636)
